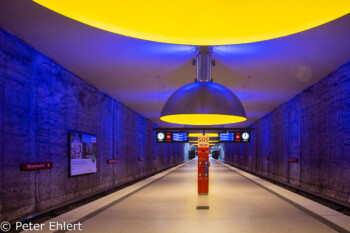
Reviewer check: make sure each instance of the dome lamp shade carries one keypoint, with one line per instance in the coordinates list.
(203, 103)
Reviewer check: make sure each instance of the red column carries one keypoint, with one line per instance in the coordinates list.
(203, 170)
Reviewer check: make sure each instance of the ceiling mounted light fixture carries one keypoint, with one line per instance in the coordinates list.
(231, 22)
(203, 102)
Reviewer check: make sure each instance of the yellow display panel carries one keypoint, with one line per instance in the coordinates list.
(202, 22)
(202, 119)
(200, 134)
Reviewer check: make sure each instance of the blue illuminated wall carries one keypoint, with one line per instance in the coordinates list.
(313, 127)
(39, 101)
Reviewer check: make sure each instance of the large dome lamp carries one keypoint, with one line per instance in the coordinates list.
(203, 102)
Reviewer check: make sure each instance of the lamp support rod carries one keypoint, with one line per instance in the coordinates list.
(204, 64)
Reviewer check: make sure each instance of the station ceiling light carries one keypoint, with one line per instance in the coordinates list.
(181, 21)
(203, 102)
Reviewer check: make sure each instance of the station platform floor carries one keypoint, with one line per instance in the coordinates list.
(238, 202)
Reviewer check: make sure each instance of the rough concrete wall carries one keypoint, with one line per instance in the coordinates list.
(39, 102)
(314, 127)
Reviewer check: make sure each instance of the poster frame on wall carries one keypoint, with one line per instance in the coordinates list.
(70, 132)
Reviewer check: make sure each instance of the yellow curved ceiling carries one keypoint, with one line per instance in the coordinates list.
(196, 22)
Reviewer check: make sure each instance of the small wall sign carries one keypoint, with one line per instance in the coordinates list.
(112, 161)
(293, 160)
(36, 166)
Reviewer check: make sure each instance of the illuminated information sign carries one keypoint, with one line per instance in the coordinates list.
(163, 136)
(180, 137)
(242, 136)
(226, 137)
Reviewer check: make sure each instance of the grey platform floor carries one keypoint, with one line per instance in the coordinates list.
(168, 205)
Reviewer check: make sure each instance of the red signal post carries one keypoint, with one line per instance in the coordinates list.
(203, 165)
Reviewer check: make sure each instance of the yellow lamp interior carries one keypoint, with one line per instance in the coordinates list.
(202, 119)
(201, 22)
